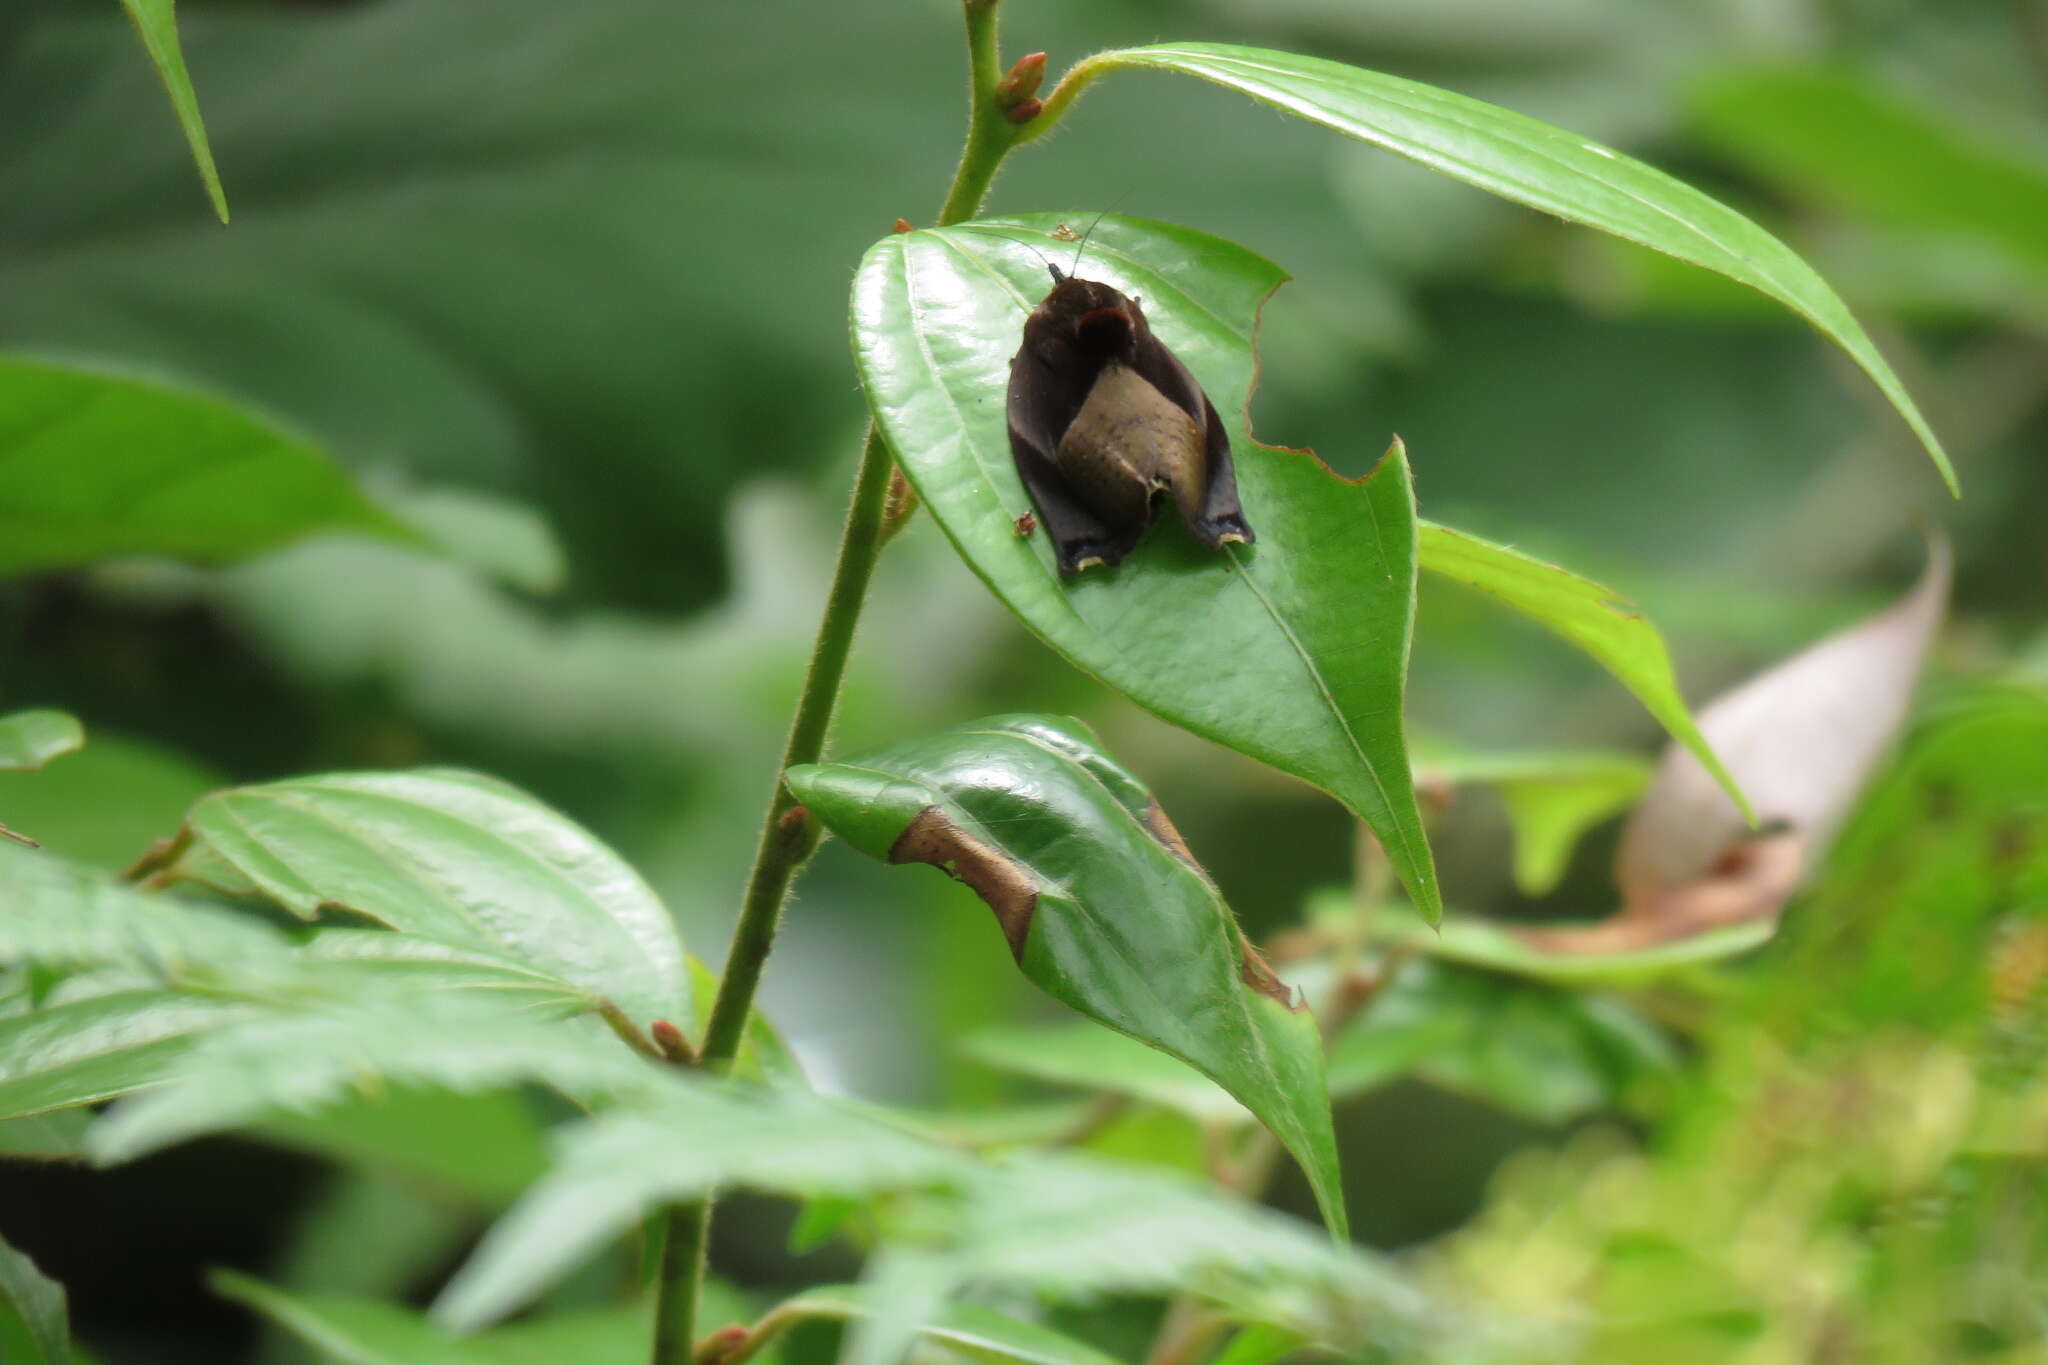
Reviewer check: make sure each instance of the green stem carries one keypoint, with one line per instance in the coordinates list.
(786, 837)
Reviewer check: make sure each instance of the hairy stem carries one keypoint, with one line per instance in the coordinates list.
(786, 838)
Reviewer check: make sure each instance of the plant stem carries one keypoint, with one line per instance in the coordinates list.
(786, 838)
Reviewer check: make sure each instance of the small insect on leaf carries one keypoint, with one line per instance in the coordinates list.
(1104, 419)
(1063, 233)
(1025, 525)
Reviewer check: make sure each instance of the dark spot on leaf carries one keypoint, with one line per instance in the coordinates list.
(1260, 977)
(933, 838)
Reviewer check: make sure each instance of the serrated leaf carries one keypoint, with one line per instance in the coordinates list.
(29, 739)
(102, 465)
(1103, 906)
(34, 1317)
(69, 918)
(1295, 650)
(1545, 167)
(1552, 797)
(971, 1330)
(462, 859)
(1586, 614)
(698, 1137)
(156, 23)
(88, 1051)
(300, 1063)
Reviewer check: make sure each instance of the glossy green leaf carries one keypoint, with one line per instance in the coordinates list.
(1095, 1058)
(1102, 905)
(29, 739)
(1552, 797)
(1545, 167)
(156, 22)
(1839, 138)
(969, 1329)
(300, 1063)
(88, 1051)
(100, 465)
(1586, 614)
(461, 859)
(35, 1322)
(1295, 650)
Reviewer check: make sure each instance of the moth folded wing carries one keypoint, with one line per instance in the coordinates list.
(1128, 442)
(1209, 505)
(1039, 413)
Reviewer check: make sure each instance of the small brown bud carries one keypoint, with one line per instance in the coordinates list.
(902, 225)
(672, 1043)
(1023, 111)
(718, 1345)
(1022, 82)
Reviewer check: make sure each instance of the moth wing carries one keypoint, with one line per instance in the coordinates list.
(1041, 407)
(1214, 516)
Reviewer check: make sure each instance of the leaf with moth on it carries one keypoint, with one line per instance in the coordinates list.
(102, 464)
(1552, 797)
(1585, 614)
(156, 23)
(1102, 905)
(1546, 167)
(456, 857)
(1294, 650)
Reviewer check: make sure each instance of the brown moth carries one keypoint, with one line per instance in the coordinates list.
(1104, 419)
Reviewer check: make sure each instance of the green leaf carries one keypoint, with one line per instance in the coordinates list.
(1547, 168)
(1552, 797)
(29, 739)
(1092, 1057)
(1548, 1055)
(1838, 137)
(157, 24)
(88, 1051)
(65, 917)
(1588, 615)
(461, 859)
(1294, 651)
(106, 803)
(507, 540)
(763, 1056)
(1259, 1345)
(56, 1136)
(35, 1323)
(356, 1331)
(971, 1330)
(486, 1147)
(101, 465)
(302, 1063)
(1499, 947)
(1102, 904)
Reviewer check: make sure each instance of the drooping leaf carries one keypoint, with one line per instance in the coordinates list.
(1508, 949)
(101, 465)
(35, 1321)
(88, 1051)
(1294, 650)
(1552, 797)
(29, 739)
(1839, 138)
(1592, 617)
(1102, 905)
(299, 1063)
(1545, 167)
(461, 859)
(156, 22)
(1801, 737)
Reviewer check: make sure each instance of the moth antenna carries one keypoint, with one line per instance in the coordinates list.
(1056, 276)
(1076, 266)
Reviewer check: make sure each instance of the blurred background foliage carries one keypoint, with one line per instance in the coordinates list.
(569, 282)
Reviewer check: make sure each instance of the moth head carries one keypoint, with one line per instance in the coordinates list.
(1098, 319)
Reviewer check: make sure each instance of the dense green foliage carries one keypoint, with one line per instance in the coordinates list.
(405, 591)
